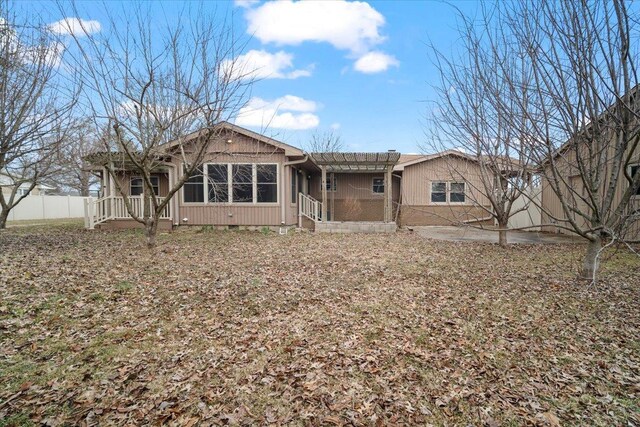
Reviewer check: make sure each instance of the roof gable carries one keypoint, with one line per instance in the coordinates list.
(289, 150)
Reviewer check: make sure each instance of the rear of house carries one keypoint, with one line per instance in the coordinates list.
(250, 180)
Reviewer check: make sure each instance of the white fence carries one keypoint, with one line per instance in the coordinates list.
(48, 207)
(531, 215)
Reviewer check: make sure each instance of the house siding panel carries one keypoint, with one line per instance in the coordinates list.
(242, 149)
(417, 208)
(354, 199)
(553, 212)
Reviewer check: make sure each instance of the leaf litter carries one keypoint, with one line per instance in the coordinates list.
(243, 328)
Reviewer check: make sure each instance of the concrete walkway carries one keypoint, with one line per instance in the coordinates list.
(469, 234)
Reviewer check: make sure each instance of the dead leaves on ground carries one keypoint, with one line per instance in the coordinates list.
(241, 328)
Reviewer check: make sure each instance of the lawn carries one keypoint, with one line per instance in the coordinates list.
(247, 328)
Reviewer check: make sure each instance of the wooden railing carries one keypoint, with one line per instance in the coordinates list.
(97, 211)
(309, 207)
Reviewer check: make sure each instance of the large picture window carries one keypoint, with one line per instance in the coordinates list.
(267, 183)
(218, 183)
(233, 183)
(451, 192)
(242, 182)
(194, 187)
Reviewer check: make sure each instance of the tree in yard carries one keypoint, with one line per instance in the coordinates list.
(583, 113)
(71, 170)
(480, 115)
(35, 107)
(159, 88)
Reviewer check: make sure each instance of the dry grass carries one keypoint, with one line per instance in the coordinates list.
(249, 328)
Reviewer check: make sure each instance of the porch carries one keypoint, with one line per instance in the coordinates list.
(104, 209)
(354, 192)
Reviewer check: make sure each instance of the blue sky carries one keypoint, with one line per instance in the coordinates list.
(362, 69)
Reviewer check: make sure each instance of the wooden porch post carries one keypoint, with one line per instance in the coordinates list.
(324, 193)
(112, 193)
(388, 192)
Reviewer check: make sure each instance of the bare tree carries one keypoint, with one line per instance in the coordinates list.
(71, 170)
(328, 141)
(474, 114)
(159, 88)
(35, 105)
(583, 110)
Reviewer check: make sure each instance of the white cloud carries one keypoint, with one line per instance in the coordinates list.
(245, 4)
(75, 26)
(352, 26)
(375, 62)
(335, 126)
(287, 112)
(260, 64)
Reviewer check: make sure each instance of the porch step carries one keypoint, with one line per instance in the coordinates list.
(355, 227)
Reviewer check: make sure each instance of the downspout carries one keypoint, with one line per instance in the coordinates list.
(283, 192)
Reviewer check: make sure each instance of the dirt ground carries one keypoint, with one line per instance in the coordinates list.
(252, 328)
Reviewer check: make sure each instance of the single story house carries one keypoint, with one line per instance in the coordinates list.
(7, 185)
(250, 180)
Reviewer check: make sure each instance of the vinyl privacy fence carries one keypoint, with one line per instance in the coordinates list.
(48, 207)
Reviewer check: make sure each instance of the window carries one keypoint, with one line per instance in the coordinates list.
(136, 186)
(267, 183)
(443, 192)
(438, 192)
(331, 186)
(242, 183)
(294, 185)
(218, 183)
(456, 192)
(378, 185)
(23, 192)
(194, 187)
(635, 169)
(233, 183)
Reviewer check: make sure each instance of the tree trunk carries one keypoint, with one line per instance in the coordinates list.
(150, 232)
(3, 218)
(502, 233)
(591, 262)
(84, 188)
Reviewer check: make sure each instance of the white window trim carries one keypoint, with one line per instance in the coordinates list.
(152, 177)
(448, 194)
(334, 185)
(254, 182)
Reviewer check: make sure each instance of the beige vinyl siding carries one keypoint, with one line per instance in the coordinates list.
(243, 149)
(417, 208)
(124, 178)
(354, 199)
(553, 207)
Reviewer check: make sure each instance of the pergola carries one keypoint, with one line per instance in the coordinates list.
(335, 162)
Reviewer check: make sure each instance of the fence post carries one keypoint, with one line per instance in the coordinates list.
(44, 212)
(86, 213)
(91, 207)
